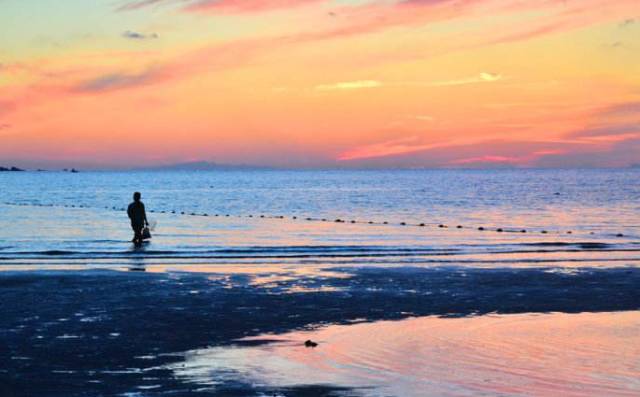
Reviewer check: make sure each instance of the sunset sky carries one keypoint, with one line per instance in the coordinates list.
(320, 83)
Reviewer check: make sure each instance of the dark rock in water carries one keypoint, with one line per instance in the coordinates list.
(338, 220)
(422, 225)
(544, 232)
(556, 194)
(295, 217)
(619, 235)
(74, 171)
(569, 232)
(480, 228)
(385, 222)
(310, 343)
(459, 227)
(523, 231)
(440, 226)
(353, 221)
(403, 223)
(499, 230)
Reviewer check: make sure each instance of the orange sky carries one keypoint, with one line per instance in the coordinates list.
(320, 83)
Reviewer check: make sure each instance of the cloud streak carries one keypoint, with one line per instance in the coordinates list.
(483, 77)
(115, 81)
(221, 6)
(349, 85)
(129, 34)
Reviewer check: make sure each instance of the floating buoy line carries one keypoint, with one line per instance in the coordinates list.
(309, 219)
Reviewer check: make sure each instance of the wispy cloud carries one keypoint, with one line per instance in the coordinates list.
(483, 77)
(247, 6)
(131, 5)
(230, 6)
(487, 159)
(607, 130)
(389, 148)
(349, 85)
(115, 81)
(130, 34)
(621, 109)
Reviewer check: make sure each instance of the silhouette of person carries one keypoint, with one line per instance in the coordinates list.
(138, 217)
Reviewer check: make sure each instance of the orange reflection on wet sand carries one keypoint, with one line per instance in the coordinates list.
(537, 355)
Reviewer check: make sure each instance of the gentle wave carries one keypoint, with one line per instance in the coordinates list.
(531, 252)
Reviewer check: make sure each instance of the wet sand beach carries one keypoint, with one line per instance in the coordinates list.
(107, 332)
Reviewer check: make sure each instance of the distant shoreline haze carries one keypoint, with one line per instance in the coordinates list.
(213, 166)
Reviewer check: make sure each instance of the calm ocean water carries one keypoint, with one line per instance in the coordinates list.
(570, 216)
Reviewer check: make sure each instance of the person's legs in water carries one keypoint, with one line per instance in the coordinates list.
(137, 233)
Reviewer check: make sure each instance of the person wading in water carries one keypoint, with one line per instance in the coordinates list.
(138, 217)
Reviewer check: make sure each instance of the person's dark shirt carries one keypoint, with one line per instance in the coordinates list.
(137, 213)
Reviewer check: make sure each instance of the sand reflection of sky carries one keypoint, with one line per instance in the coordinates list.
(544, 354)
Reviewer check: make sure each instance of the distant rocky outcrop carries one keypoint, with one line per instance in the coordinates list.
(203, 166)
(14, 169)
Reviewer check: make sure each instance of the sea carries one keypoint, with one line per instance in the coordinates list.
(491, 218)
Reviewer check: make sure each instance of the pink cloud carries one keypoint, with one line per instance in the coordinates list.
(228, 6)
(389, 148)
(247, 6)
(487, 159)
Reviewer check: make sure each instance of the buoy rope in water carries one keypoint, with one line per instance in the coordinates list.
(310, 219)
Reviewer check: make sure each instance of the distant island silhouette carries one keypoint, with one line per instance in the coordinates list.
(203, 166)
(11, 169)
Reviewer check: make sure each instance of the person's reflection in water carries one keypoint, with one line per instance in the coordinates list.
(137, 264)
(138, 217)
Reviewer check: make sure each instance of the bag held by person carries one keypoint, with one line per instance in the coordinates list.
(146, 234)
